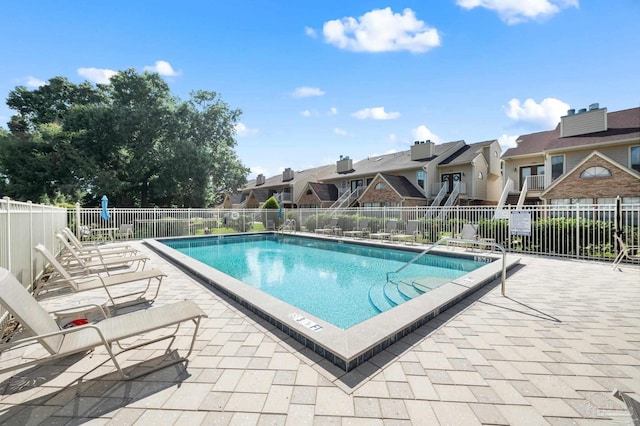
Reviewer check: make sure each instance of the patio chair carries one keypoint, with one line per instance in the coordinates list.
(105, 249)
(330, 228)
(75, 242)
(63, 277)
(99, 262)
(410, 233)
(271, 226)
(125, 231)
(628, 253)
(61, 342)
(359, 231)
(389, 228)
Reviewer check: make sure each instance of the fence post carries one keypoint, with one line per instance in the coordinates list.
(31, 240)
(8, 234)
(189, 222)
(78, 221)
(577, 254)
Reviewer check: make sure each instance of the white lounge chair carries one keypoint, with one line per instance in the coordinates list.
(390, 228)
(628, 253)
(84, 230)
(105, 249)
(410, 233)
(90, 263)
(63, 342)
(64, 278)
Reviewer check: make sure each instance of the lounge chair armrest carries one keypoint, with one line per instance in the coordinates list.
(30, 339)
(75, 308)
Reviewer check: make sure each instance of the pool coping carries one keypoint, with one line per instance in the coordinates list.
(353, 346)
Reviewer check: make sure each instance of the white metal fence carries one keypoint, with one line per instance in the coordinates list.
(576, 231)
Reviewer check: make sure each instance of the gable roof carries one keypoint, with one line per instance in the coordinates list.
(621, 125)
(324, 191)
(584, 160)
(467, 153)
(402, 186)
(276, 181)
(237, 197)
(261, 195)
(396, 161)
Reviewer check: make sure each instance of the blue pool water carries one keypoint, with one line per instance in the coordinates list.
(329, 279)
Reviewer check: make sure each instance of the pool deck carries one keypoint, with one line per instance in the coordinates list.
(566, 335)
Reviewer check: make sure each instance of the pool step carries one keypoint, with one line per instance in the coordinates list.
(377, 298)
(425, 284)
(392, 293)
(408, 290)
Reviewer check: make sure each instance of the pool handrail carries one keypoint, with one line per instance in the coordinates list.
(465, 241)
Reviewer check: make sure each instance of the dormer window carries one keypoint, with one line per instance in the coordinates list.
(595, 172)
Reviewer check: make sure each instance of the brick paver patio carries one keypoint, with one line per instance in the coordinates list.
(551, 352)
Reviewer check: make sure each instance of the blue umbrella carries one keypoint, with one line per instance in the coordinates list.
(105, 211)
(280, 211)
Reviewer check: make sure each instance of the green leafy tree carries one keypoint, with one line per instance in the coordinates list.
(271, 204)
(131, 139)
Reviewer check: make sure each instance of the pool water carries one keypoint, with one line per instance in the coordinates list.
(329, 279)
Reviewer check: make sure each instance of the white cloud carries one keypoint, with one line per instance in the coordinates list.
(516, 11)
(340, 132)
(376, 113)
(163, 68)
(310, 32)
(547, 113)
(507, 141)
(97, 75)
(381, 30)
(392, 137)
(422, 133)
(305, 92)
(332, 111)
(305, 113)
(34, 82)
(243, 130)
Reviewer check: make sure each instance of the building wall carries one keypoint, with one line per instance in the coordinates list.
(620, 183)
(373, 195)
(313, 201)
(512, 167)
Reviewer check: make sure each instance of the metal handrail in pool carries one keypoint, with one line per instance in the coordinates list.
(460, 240)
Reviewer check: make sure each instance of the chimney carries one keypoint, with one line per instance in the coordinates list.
(422, 150)
(287, 175)
(260, 179)
(584, 122)
(344, 165)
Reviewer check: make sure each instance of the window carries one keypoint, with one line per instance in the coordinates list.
(480, 176)
(420, 176)
(634, 158)
(595, 172)
(380, 186)
(557, 166)
(309, 192)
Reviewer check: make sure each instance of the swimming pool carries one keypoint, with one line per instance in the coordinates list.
(344, 347)
(343, 284)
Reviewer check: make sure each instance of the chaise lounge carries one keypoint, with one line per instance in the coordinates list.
(61, 342)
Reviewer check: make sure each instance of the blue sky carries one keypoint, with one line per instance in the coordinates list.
(316, 80)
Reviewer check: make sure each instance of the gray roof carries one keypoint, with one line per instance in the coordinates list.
(402, 185)
(621, 125)
(237, 197)
(396, 161)
(467, 153)
(277, 182)
(325, 191)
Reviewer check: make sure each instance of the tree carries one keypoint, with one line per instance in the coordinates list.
(131, 139)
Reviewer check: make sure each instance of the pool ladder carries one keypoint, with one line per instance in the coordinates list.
(461, 241)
